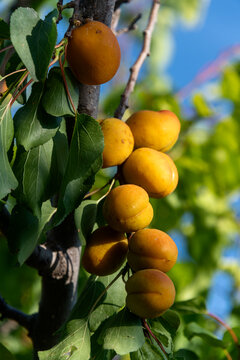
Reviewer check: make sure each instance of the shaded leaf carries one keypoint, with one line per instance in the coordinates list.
(149, 351)
(4, 30)
(85, 217)
(34, 40)
(8, 180)
(55, 99)
(185, 354)
(33, 126)
(122, 332)
(192, 306)
(74, 346)
(193, 329)
(83, 162)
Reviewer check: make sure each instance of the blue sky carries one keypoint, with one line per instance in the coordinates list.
(195, 48)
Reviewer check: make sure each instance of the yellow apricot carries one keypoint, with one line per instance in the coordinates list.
(127, 208)
(158, 130)
(150, 293)
(152, 249)
(93, 53)
(153, 170)
(118, 141)
(3, 86)
(105, 251)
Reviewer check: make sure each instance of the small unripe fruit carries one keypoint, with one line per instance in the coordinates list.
(150, 293)
(93, 53)
(153, 170)
(158, 130)
(118, 141)
(105, 252)
(152, 249)
(127, 208)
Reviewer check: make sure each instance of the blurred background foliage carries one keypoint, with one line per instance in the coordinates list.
(203, 213)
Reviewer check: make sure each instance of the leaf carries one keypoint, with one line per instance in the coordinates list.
(108, 304)
(122, 332)
(162, 334)
(192, 306)
(4, 30)
(13, 64)
(33, 126)
(8, 180)
(83, 162)
(55, 99)
(34, 40)
(193, 329)
(36, 176)
(74, 346)
(85, 217)
(149, 351)
(185, 354)
(201, 106)
(171, 321)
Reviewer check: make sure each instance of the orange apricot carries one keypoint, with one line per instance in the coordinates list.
(150, 293)
(127, 208)
(153, 170)
(93, 53)
(157, 130)
(152, 249)
(105, 252)
(118, 141)
(3, 86)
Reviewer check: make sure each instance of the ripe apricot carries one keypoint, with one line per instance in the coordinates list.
(150, 293)
(153, 170)
(127, 208)
(152, 249)
(3, 86)
(93, 53)
(118, 141)
(158, 130)
(105, 251)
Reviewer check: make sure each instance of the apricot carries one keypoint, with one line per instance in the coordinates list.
(157, 130)
(93, 53)
(150, 293)
(152, 249)
(153, 170)
(118, 141)
(3, 86)
(105, 252)
(127, 208)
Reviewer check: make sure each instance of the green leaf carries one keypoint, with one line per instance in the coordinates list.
(13, 64)
(201, 106)
(36, 176)
(185, 354)
(122, 332)
(162, 334)
(34, 40)
(85, 217)
(8, 180)
(193, 329)
(149, 351)
(231, 84)
(4, 30)
(171, 321)
(55, 99)
(83, 162)
(108, 304)
(33, 126)
(74, 346)
(192, 306)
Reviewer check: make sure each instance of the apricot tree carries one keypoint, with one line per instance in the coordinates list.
(104, 292)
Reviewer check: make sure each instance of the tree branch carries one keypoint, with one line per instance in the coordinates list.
(120, 2)
(9, 312)
(130, 27)
(134, 71)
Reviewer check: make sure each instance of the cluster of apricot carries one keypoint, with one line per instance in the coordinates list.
(138, 147)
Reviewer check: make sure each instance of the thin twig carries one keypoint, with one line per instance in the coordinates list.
(110, 188)
(98, 189)
(66, 85)
(130, 27)
(228, 356)
(134, 71)
(210, 71)
(229, 329)
(12, 73)
(6, 48)
(61, 7)
(153, 336)
(20, 92)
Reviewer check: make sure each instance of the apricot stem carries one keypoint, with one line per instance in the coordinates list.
(109, 189)
(97, 190)
(145, 51)
(20, 92)
(12, 73)
(229, 329)
(228, 356)
(153, 336)
(66, 85)
(121, 273)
